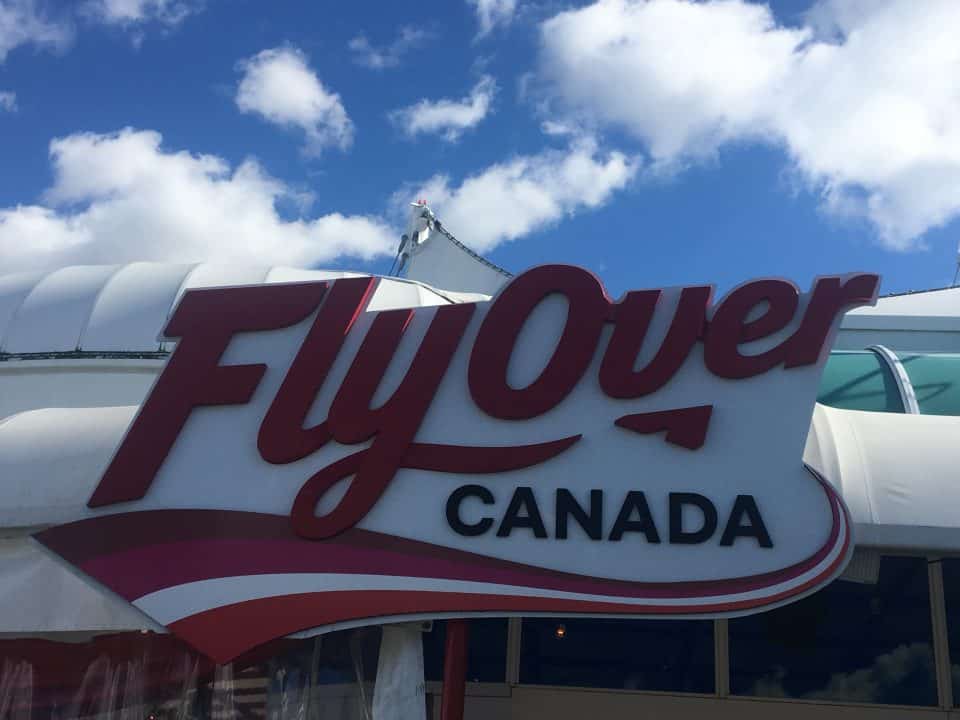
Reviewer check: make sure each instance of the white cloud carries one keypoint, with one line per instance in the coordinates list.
(491, 13)
(279, 85)
(122, 197)
(557, 128)
(386, 56)
(447, 117)
(8, 101)
(527, 193)
(133, 12)
(22, 23)
(863, 97)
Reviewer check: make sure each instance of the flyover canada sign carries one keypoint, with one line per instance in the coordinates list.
(301, 462)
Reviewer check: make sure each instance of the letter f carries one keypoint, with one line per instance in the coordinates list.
(205, 321)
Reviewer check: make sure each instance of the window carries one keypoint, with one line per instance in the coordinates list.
(486, 650)
(667, 655)
(951, 592)
(139, 675)
(859, 381)
(869, 643)
(935, 381)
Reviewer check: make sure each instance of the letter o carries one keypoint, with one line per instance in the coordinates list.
(587, 310)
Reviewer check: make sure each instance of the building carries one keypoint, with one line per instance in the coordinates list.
(79, 350)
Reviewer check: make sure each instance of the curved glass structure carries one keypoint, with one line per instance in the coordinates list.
(936, 381)
(859, 380)
(865, 380)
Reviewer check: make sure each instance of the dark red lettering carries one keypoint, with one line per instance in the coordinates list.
(587, 310)
(632, 318)
(283, 438)
(393, 425)
(729, 327)
(830, 296)
(205, 321)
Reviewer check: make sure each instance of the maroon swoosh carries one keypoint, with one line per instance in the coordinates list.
(185, 545)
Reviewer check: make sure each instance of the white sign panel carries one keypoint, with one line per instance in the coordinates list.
(301, 462)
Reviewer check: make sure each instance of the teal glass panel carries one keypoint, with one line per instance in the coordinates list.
(936, 381)
(859, 380)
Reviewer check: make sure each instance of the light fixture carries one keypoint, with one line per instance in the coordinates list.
(561, 631)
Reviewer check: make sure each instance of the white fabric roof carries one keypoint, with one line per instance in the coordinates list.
(41, 594)
(123, 308)
(437, 258)
(927, 321)
(897, 474)
(944, 302)
(931, 310)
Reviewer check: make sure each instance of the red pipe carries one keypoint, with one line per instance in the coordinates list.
(454, 670)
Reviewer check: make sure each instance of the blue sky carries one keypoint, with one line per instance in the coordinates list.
(656, 143)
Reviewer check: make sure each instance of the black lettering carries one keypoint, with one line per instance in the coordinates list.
(635, 501)
(453, 510)
(745, 505)
(522, 499)
(693, 537)
(591, 523)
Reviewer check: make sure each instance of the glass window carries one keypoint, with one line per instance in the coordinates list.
(486, 650)
(935, 380)
(667, 655)
(859, 380)
(147, 675)
(850, 641)
(951, 591)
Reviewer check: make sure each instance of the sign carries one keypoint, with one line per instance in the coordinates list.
(301, 462)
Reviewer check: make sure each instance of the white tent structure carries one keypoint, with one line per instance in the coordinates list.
(926, 321)
(431, 254)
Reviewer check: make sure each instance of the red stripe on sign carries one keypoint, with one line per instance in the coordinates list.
(226, 632)
(266, 545)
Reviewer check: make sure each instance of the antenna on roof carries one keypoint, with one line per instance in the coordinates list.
(419, 226)
(956, 272)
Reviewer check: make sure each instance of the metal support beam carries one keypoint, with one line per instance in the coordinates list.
(907, 395)
(941, 647)
(514, 628)
(721, 657)
(454, 670)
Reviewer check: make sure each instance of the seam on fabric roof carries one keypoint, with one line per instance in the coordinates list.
(176, 297)
(472, 253)
(422, 293)
(424, 286)
(96, 301)
(865, 473)
(16, 314)
(436, 291)
(181, 288)
(16, 311)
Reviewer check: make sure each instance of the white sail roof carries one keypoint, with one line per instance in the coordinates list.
(123, 308)
(921, 321)
(896, 472)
